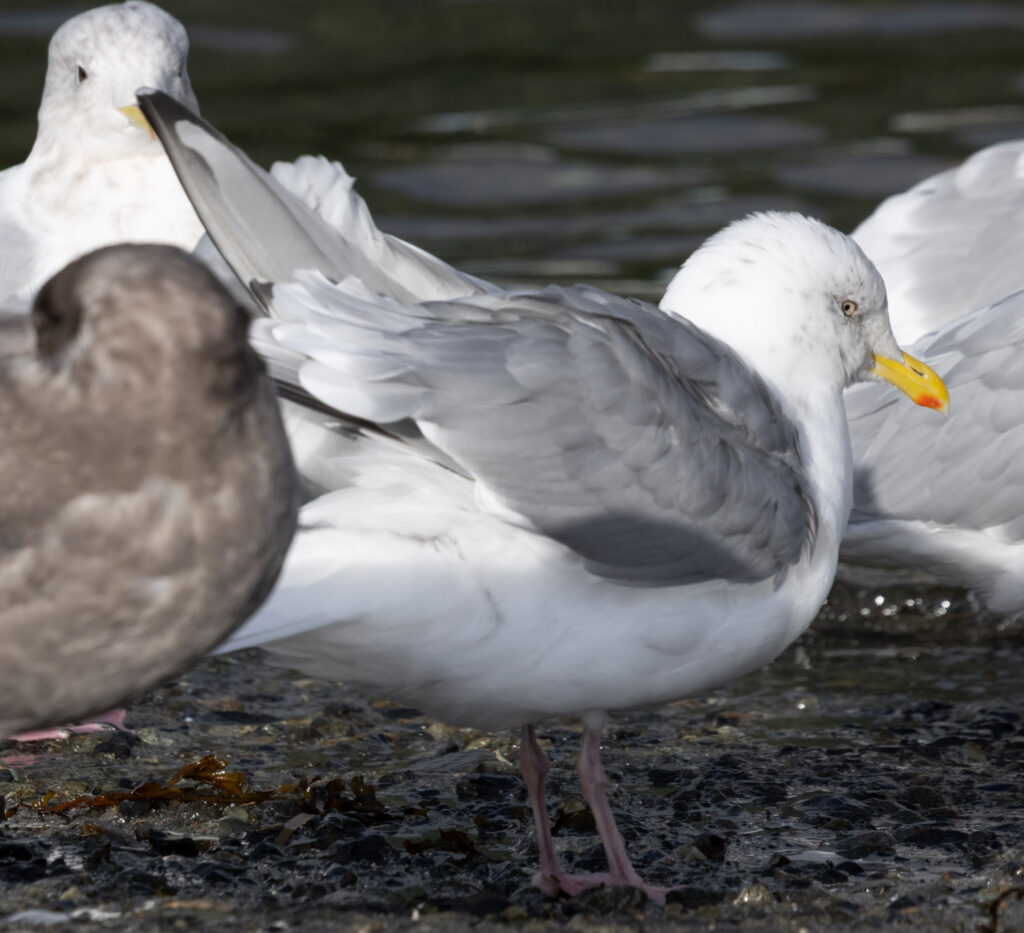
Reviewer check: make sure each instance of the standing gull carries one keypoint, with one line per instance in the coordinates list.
(96, 174)
(148, 491)
(950, 249)
(556, 502)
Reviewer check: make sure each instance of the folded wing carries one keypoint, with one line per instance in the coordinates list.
(973, 477)
(645, 446)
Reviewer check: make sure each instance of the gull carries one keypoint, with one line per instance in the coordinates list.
(555, 502)
(950, 251)
(951, 244)
(96, 175)
(148, 490)
(956, 516)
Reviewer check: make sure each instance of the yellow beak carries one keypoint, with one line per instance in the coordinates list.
(917, 380)
(137, 118)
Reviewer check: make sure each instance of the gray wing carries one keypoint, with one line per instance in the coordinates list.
(267, 233)
(952, 243)
(630, 436)
(643, 445)
(966, 470)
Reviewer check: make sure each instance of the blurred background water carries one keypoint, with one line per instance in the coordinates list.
(567, 140)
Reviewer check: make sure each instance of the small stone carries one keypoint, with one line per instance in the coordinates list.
(902, 903)
(333, 827)
(135, 809)
(930, 834)
(711, 846)
(690, 898)
(859, 845)
(165, 844)
(118, 744)
(489, 787)
(921, 798)
(482, 904)
(754, 894)
(829, 807)
(612, 900)
(850, 868)
(372, 848)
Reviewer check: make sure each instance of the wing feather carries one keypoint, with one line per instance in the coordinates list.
(630, 436)
(965, 470)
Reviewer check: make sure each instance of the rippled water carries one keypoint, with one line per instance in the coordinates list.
(559, 140)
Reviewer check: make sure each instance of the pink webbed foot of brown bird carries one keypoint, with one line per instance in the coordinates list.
(552, 879)
(114, 719)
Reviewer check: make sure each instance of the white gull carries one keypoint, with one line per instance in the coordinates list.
(552, 502)
(950, 250)
(96, 174)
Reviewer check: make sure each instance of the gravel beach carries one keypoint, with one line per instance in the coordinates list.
(871, 776)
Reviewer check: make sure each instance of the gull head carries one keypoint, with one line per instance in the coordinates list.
(802, 304)
(96, 62)
(127, 321)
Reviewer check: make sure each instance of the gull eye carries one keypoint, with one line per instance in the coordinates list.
(82, 74)
(849, 307)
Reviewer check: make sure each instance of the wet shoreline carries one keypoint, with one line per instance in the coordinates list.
(871, 775)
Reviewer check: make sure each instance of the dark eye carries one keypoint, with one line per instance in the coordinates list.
(82, 74)
(849, 307)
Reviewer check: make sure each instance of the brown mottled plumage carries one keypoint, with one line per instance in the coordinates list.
(148, 493)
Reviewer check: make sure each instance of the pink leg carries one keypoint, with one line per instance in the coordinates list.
(592, 783)
(552, 879)
(114, 717)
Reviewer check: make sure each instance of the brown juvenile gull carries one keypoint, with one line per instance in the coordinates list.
(149, 495)
(96, 174)
(555, 502)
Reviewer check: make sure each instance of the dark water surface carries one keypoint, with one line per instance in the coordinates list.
(539, 140)
(872, 776)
